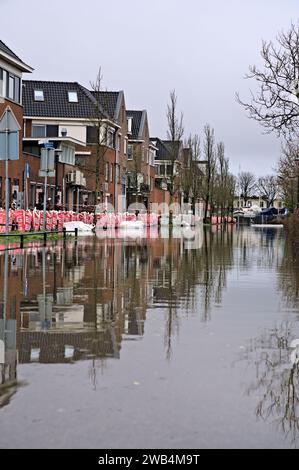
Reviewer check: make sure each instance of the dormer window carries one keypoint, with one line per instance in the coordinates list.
(129, 124)
(73, 97)
(39, 95)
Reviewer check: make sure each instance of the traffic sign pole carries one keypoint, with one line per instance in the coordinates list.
(45, 193)
(6, 177)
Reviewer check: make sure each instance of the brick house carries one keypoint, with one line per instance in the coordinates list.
(168, 162)
(69, 115)
(114, 104)
(140, 159)
(11, 71)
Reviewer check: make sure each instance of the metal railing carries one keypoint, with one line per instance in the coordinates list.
(45, 235)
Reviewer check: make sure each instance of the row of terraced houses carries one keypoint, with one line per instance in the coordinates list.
(134, 167)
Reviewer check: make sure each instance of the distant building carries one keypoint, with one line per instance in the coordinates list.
(257, 201)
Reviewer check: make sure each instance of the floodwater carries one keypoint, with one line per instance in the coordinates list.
(151, 342)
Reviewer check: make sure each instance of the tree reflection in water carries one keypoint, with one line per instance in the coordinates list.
(276, 379)
(191, 280)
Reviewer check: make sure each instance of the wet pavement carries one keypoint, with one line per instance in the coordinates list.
(150, 341)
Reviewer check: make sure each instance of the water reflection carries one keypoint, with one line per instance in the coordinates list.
(276, 382)
(83, 300)
(80, 300)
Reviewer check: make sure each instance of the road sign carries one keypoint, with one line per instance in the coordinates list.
(9, 136)
(48, 145)
(27, 170)
(47, 159)
(44, 173)
(8, 121)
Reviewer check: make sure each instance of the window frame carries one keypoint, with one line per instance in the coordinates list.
(74, 94)
(39, 126)
(39, 95)
(130, 152)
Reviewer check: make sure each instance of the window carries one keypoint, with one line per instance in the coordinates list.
(169, 170)
(130, 152)
(2, 82)
(117, 175)
(73, 97)
(111, 173)
(91, 134)
(107, 172)
(118, 143)
(44, 130)
(110, 138)
(52, 130)
(129, 124)
(125, 146)
(17, 97)
(38, 95)
(38, 131)
(152, 155)
(11, 87)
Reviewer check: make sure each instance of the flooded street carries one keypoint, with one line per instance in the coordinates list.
(150, 342)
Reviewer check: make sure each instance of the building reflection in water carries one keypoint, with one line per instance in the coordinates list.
(81, 300)
(8, 339)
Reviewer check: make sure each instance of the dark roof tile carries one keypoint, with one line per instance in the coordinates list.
(164, 151)
(8, 51)
(136, 123)
(108, 101)
(56, 103)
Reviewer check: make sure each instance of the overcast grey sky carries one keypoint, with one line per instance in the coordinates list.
(202, 49)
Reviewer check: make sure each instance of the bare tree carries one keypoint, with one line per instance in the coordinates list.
(247, 184)
(275, 105)
(268, 188)
(210, 157)
(222, 178)
(134, 172)
(97, 133)
(288, 174)
(232, 189)
(192, 173)
(175, 133)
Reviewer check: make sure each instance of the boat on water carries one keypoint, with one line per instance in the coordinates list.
(267, 225)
